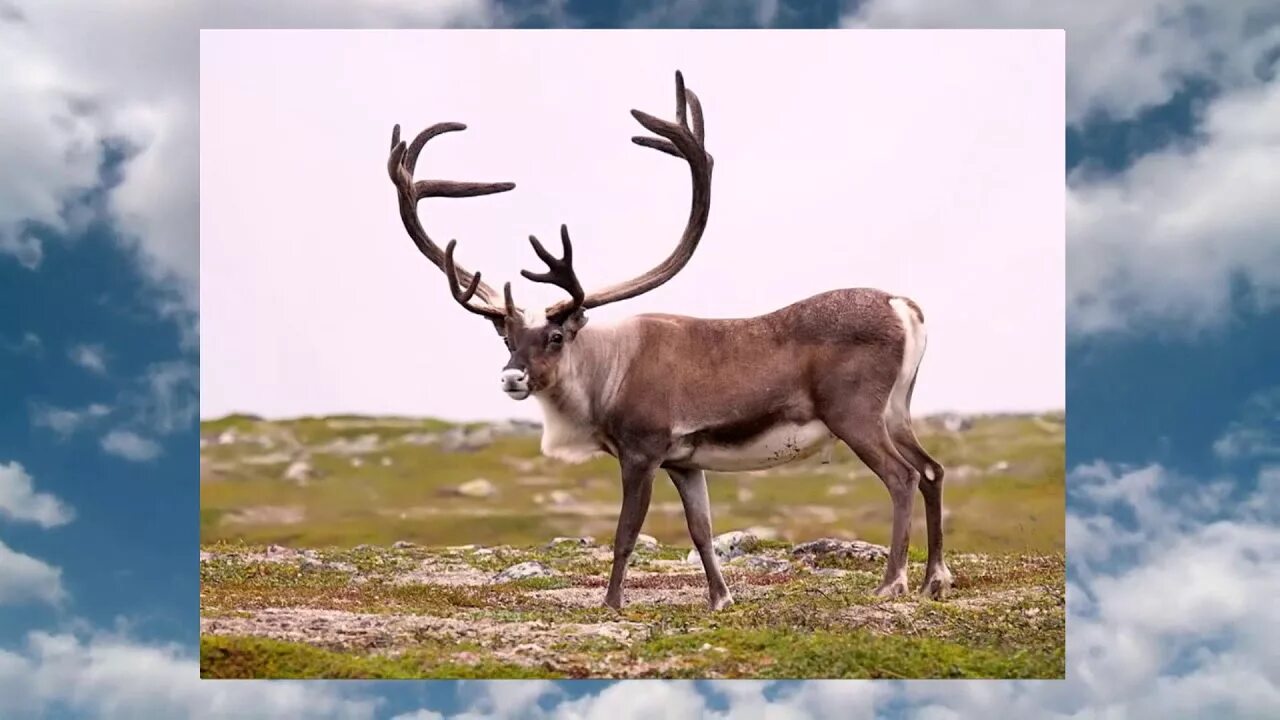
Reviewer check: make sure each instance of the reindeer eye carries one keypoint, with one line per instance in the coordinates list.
(555, 338)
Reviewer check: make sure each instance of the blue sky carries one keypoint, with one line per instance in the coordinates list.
(1173, 409)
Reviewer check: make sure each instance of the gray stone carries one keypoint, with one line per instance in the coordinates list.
(299, 471)
(524, 570)
(850, 549)
(763, 563)
(478, 488)
(727, 546)
(583, 541)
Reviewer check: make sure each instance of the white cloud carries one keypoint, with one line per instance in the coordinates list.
(501, 700)
(1256, 435)
(70, 87)
(425, 714)
(130, 446)
(1163, 240)
(636, 701)
(703, 13)
(169, 400)
(65, 421)
(1123, 56)
(1264, 502)
(26, 579)
(20, 501)
(45, 132)
(91, 357)
(29, 344)
(109, 676)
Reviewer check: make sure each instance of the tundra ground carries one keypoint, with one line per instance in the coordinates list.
(326, 552)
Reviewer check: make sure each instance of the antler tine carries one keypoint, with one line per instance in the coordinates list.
(401, 164)
(688, 143)
(680, 100)
(560, 273)
(464, 296)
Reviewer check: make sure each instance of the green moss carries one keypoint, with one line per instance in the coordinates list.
(243, 657)
(850, 654)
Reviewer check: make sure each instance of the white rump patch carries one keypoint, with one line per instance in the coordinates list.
(914, 340)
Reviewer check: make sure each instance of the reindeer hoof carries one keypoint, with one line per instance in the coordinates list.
(936, 584)
(722, 602)
(892, 589)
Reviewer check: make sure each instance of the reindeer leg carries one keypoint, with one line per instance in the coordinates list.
(937, 578)
(692, 486)
(863, 430)
(637, 488)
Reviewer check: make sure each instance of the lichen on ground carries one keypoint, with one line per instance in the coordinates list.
(372, 547)
(420, 612)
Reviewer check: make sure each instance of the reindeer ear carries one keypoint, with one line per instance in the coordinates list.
(501, 326)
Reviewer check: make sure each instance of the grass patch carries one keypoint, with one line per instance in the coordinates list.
(246, 657)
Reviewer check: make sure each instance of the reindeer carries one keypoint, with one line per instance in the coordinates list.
(687, 394)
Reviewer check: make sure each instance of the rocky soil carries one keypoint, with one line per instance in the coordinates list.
(468, 611)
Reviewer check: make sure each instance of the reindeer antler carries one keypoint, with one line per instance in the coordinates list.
(400, 167)
(682, 141)
(559, 273)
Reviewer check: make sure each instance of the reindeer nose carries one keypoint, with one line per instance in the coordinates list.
(512, 378)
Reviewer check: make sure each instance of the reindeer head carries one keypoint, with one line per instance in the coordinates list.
(539, 345)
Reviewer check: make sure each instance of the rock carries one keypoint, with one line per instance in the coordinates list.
(266, 515)
(956, 423)
(517, 428)
(356, 462)
(531, 569)
(837, 490)
(999, 467)
(583, 541)
(205, 556)
(419, 438)
(403, 545)
(745, 495)
(363, 547)
(227, 438)
(299, 471)
(764, 564)
(648, 543)
(386, 462)
(459, 439)
(362, 445)
(279, 551)
(478, 488)
(764, 532)
(727, 546)
(560, 497)
(831, 547)
(462, 548)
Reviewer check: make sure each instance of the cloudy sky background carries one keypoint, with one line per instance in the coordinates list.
(1173, 164)
(830, 173)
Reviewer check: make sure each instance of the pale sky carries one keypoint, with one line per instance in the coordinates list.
(928, 164)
